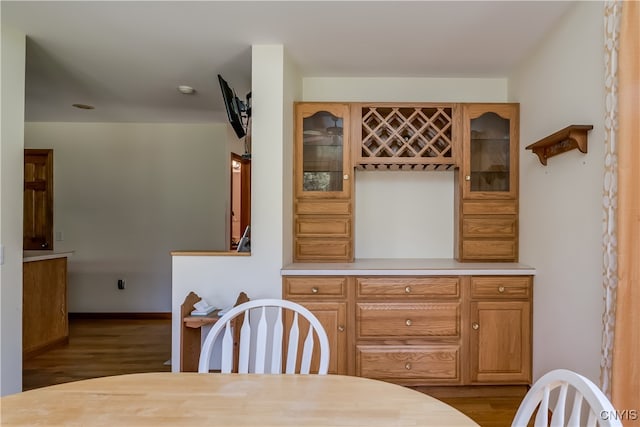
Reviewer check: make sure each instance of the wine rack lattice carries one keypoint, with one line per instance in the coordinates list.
(406, 138)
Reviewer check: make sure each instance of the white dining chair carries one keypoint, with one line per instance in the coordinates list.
(566, 386)
(263, 337)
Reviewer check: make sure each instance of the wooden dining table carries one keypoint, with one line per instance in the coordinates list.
(192, 399)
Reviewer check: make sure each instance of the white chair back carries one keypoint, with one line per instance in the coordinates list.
(262, 335)
(566, 386)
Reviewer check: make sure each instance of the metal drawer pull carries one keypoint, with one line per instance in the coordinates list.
(407, 366)
(407, 290)
(341, 328)
(501, 289)
(475, 325)
(408, 322)
(314, 290)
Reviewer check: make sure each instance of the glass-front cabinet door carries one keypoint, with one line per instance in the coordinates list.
(490, 151)
(322, 150)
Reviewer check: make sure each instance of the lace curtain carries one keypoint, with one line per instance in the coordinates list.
(621, 204)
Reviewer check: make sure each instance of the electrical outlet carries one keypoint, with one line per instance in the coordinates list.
(59, 236)
(120, 284)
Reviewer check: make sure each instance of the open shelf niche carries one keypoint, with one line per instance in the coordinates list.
(574, 136)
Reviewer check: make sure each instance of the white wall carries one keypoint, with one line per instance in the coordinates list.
(561, 84)
(125, 196)
(11, 176)
(219, 279)
(404, 214)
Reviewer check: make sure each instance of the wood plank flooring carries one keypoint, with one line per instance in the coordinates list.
(103, 347)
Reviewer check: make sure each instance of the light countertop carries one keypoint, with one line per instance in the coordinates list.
(30, 256)
(407, 267)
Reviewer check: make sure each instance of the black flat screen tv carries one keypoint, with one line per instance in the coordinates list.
(236, 109)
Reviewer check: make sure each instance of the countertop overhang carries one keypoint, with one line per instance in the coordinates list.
(30, 256)
(407, 267)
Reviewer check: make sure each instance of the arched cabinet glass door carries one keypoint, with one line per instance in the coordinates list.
(490, 140)
(322, 155)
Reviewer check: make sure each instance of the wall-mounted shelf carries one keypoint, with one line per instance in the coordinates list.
(574, 136)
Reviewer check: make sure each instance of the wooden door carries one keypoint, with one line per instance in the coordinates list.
(322, 165)
(490, 151)
(500, 342)
(38, 199)
(332, 316)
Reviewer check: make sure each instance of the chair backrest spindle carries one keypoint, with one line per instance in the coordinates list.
(276, 347)
(560, 383)
(261, 340)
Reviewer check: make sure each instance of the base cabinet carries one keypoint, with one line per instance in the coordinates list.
(500, 336)
(423, 331)
(45, 320)
(326, 299)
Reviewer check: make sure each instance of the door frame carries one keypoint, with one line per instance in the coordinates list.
(245, 194)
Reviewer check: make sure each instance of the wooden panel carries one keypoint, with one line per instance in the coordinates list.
(489, 250)
(323, 250)
(323, 207)
(501, 287)
(408, 362)
(315, 286)
(487, 226)
(447, 287)
(44, 313)
(501, 342)
(398, 320)
(312, 226)
(489, 207)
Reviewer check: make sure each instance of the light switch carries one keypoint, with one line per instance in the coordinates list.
(1, 254)
(59, 236)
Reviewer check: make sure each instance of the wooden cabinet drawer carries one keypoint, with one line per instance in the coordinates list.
(323, 207)
(323, 226)
(315, 286)
(406, 320)
(487, 226)
(490, 250)
(489, 207)
(501, 287)
(323, 249)
(434, 287)
(408, 362)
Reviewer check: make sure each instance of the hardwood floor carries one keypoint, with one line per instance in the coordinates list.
(102, 347)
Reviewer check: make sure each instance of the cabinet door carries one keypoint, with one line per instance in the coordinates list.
(322, 161)
(490, 151)
(500, 342)
(333, 317)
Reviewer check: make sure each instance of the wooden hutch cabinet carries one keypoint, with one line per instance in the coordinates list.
(487, 184)
(400, 320)
(323, 183)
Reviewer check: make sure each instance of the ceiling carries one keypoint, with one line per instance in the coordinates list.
(127, 58)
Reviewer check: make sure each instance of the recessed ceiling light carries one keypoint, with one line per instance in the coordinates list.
(83, 106)
(187, 90)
